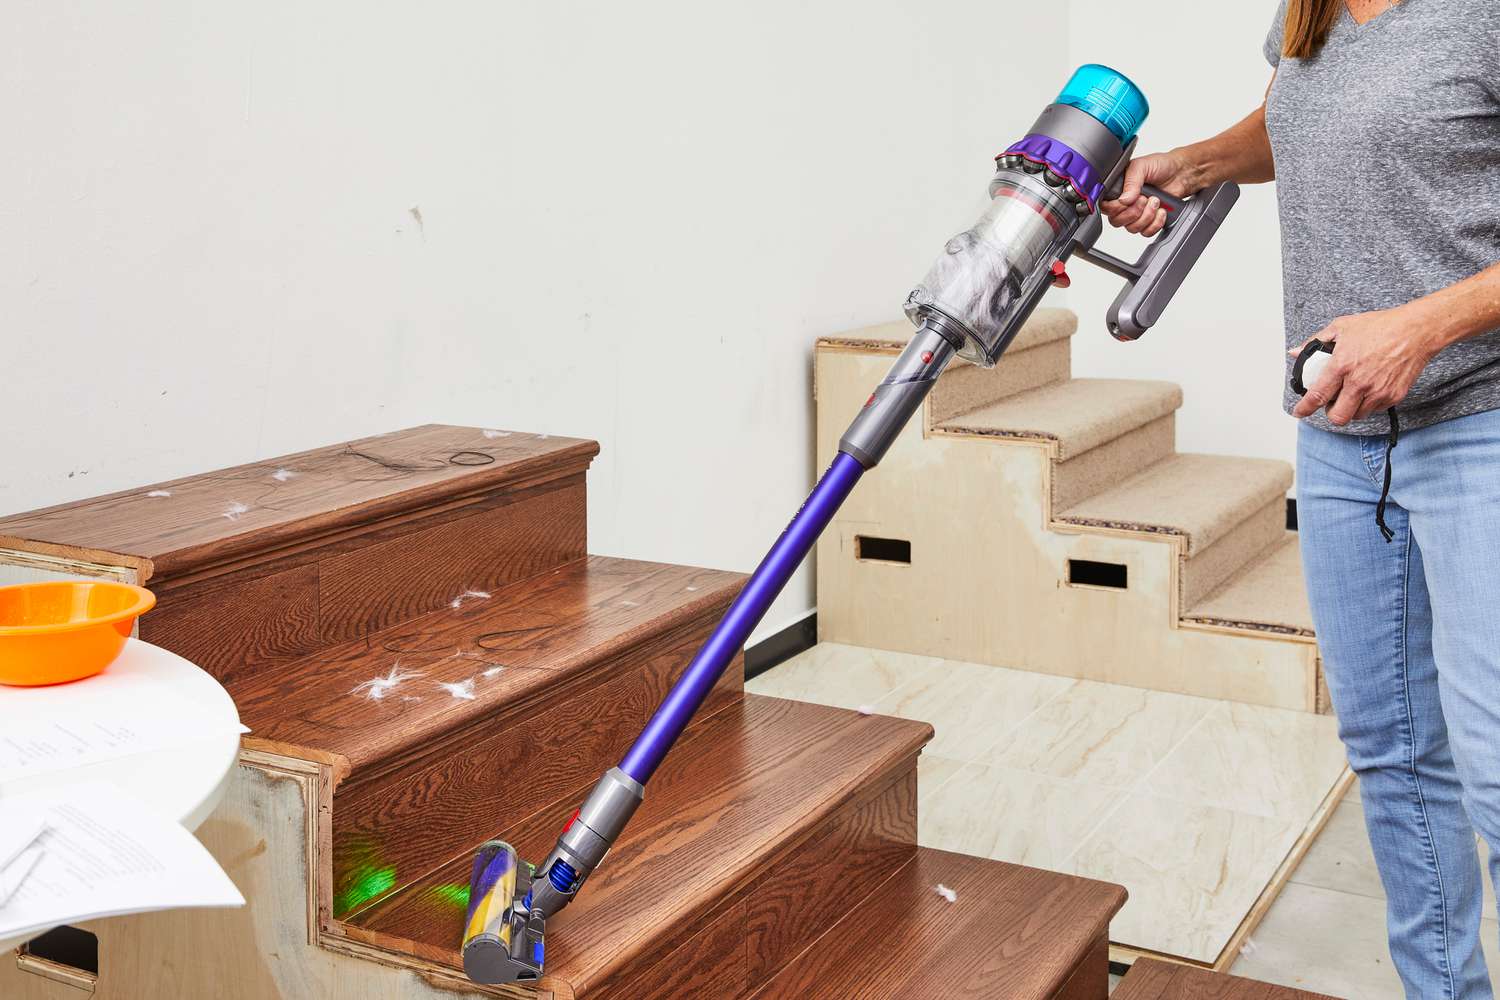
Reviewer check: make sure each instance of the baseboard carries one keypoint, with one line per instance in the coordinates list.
(781, 646)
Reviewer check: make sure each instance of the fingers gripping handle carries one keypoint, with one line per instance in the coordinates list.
(1154, 279)
(1173, 204)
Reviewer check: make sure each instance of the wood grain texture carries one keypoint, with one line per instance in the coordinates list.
(1152, 979)
(421, 813)
(1090, 980)
(1014, 932)
(775, 917)
(246, 618)
(331, 488)
(730, 806)
(522, 648)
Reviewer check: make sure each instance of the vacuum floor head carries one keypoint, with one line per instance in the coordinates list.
(503, 939)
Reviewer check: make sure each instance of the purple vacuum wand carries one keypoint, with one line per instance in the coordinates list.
(1044, 208)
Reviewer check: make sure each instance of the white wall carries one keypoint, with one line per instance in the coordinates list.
(634, 220)
(1202, 69)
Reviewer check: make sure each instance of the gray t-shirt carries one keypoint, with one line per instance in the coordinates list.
(1387, 150)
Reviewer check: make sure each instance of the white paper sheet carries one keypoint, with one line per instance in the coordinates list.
(103, 855)
(19, 826)
(90, 732)
(15, 873)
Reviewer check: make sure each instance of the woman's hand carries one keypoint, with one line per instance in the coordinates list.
(1379, 356)
(1137, 214)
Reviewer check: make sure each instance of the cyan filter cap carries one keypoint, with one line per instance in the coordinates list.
(1109, 96)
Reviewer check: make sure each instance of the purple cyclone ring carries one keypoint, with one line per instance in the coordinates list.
(1065, 161)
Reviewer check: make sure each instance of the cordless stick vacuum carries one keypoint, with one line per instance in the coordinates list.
(1044, 209)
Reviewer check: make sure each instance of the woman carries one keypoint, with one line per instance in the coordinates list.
(1382, 129)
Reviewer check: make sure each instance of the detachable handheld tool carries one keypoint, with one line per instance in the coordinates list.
(1044, 207)
(1310, 350)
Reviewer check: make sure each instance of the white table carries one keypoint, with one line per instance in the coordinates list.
(185, 781)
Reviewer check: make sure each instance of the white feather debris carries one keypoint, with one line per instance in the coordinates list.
(462, 690)
(866, 710)
(234, 510)
(159, 493)
(496, 434)
(630, 604)
(692, 590)
(946, 893)
(282, 475)
(1249, 947)
(492, 671)
(376, 687)
(477, 595)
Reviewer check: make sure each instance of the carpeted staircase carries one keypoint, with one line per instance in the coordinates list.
(1035, 520)
(427, 657)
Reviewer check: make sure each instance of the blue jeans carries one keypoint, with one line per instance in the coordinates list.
(1410, 637)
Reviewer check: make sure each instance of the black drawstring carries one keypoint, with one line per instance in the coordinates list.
(1385, 490)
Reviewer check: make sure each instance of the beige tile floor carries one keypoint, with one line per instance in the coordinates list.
(1190, 803)
(1326, 931)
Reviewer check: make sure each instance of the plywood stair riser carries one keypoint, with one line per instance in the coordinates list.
(984, 511)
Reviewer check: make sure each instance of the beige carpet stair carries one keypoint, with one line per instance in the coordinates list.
(1102, 429)
(1267, 594)
(1052, 525)
(1228, 510)
(1038, 356)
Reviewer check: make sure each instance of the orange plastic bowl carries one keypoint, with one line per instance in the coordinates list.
(65, 630)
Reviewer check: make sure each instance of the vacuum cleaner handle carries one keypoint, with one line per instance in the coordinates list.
(1154, 279)
(1170, 202)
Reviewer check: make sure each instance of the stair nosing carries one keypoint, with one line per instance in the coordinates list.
(570, 455)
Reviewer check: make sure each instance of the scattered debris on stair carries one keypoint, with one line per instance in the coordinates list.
(462, 690)
(159, 493)
(946, 893)
(376, 687)
(282, 475)
(234, 510)
(468, 595)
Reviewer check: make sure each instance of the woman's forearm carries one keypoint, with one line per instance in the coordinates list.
(1464, 309)
(1240, 153)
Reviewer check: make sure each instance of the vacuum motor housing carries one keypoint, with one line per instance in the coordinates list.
(990, 277)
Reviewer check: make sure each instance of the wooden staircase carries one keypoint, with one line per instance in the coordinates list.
(1035, 520)
(426, 658)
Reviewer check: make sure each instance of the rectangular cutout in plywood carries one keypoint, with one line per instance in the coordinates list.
(891, 550)
(1089, 573)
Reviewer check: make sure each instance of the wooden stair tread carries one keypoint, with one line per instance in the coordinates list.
(532, 636)
(1202, 497)
(328, 490)
(1011, 932)
(1268, 595)
(1045, 325)
(736, 799)
(1079, 414)
(1153, 979)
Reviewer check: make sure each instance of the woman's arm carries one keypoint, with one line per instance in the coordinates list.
(1381, 353)
(1240, 153)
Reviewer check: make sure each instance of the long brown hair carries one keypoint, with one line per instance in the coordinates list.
(1307, 25)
